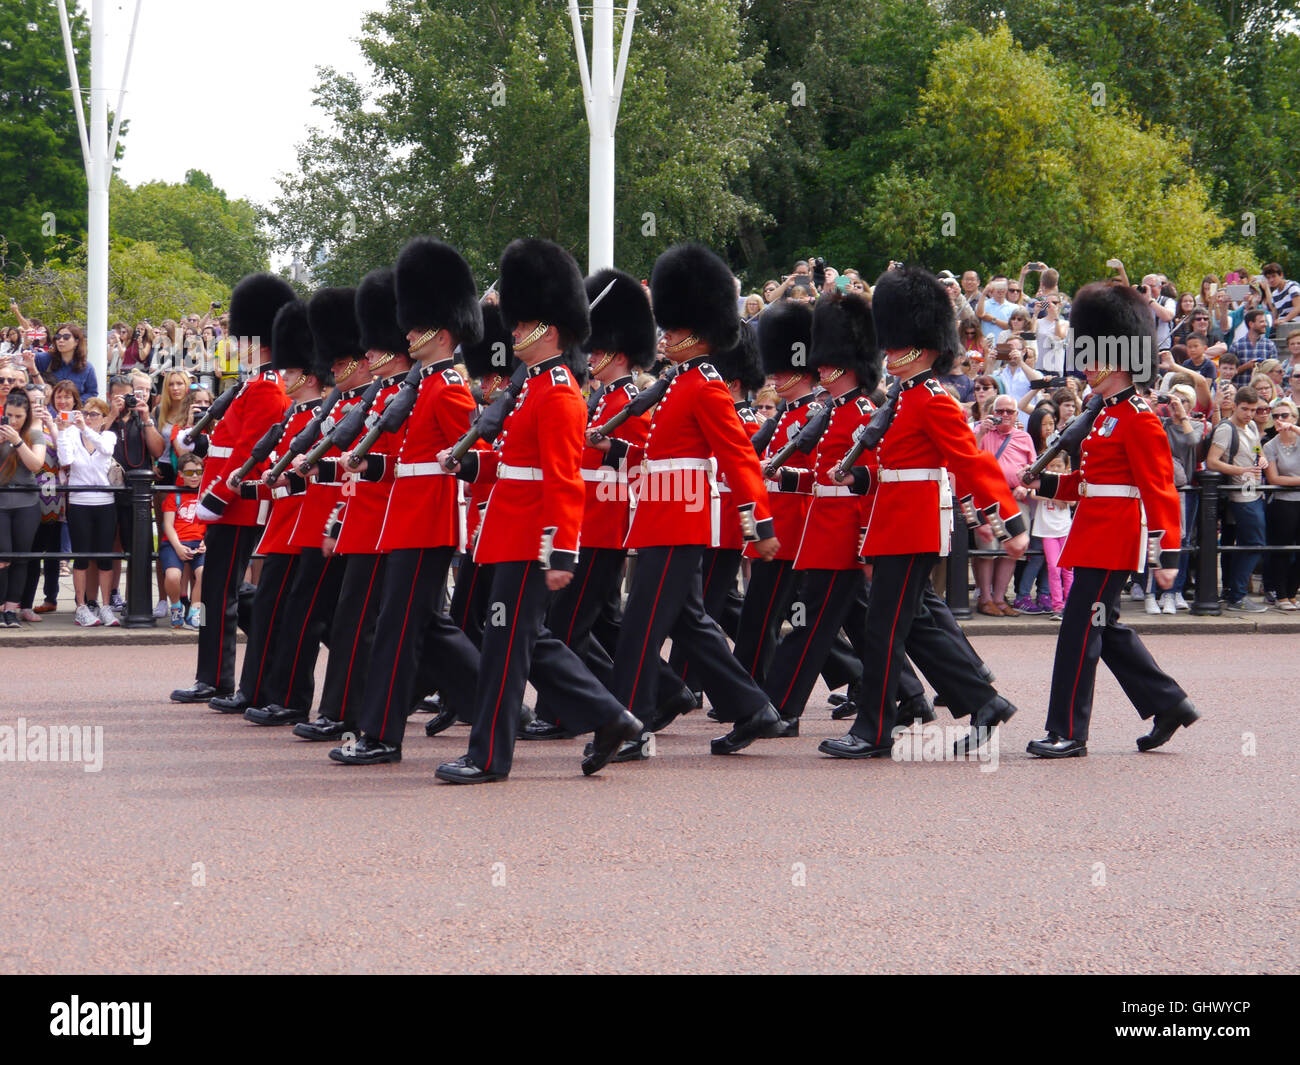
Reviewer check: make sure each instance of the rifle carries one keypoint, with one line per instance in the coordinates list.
(262, 448)
(767, 430)
(639, 405)
(304, 439)
(869, 436)
(1067, 438)
(804, 440)
(219, 407)
(396, 411)
(490, 419)
(348, 427)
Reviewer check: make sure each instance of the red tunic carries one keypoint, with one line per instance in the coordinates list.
(606, 517)
(284, 505)
(260, 404)
(695, 434)
(322, 495)
(367, 500)
(789, 508)
(423, 509)
(1127, 449)
(929, 434)
(729, 537)
(536, 506)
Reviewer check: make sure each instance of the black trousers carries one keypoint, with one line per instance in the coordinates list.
(573, 613)
(718, 569)
(836, 600)
(304, 623)
(229, 547)
(666, 599)
(900, 624)
(17, 531)
(767, 603)
(409, 630)
(1091, 630)
(1281, 568)
(522, 648)
(352, 638)
(469, 598)
(264, 624)
(48, 539)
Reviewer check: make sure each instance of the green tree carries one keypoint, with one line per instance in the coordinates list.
(472, 127)
(42, 179)
(222, 236)
(1055, 178)
(144, 282)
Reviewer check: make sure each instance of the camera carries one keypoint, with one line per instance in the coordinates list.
(819, 272)
(199, 412)
(1141, 288)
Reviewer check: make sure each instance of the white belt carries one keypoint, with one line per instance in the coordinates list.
(607, 474)
(1122, 491)
(279, 493)
(832, 490)
(772, 486)
(220, 452)
(912, 475)
(421, 469)
(668, 465)
(518, 473)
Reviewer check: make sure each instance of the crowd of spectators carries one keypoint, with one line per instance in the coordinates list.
(1226, 389)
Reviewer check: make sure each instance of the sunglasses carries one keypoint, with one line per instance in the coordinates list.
(64, 336)
(1281, 415)
(1013, 292)
(8, 380)
(1005, 413)
(1262, 410)
(985, 388)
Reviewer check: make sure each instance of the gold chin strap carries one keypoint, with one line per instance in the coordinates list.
(352, 368)
(903, 360)
(794, 380)
(607, 358)
(683, 344)
(1101, 376)
(533, 337)
(379, 364)
(296, 385)
(839, 372)
(423, 339)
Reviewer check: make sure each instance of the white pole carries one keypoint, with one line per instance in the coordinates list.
(97, 178)
(77, 109)
(600, 202)
(126, 71)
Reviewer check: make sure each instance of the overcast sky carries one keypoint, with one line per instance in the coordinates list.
(225, 87)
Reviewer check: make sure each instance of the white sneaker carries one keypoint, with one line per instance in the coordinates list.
(1152, 607)
(1137, 593)
(161, 611)
(117, 602)
(1167, 604)
(1180, 602)
(107, 617)
(85, 617)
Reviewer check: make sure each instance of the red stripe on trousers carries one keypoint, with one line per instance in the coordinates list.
(401, 639)
(636, 677)
(275, 610)
(1078, 672)
(303, 632)
(353, 656)
(889, 656)
(505, 673)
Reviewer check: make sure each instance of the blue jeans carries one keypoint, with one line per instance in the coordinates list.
(1249, 517)
(1191, 508)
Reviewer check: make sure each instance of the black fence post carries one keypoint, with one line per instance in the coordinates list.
(1207, 553)
(139, 588)
(958, 591)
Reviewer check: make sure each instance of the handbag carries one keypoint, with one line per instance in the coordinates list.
(116, 475)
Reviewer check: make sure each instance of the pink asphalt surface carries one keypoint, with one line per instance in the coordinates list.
(1187, 859)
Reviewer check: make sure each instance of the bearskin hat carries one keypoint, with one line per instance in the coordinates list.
(335, 330)
(1113, 320)
(541, 282)
(844, 335)
(912, 310)
(253, 305)
(377, 313)
(291, 344)
(435, 290)
(622, 321)
(691, 288)
(741, 362)
(785, 337)
(485, 359)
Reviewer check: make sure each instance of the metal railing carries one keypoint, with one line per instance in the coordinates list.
(1203, 546)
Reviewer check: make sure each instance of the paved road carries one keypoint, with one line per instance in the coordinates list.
(207, 845)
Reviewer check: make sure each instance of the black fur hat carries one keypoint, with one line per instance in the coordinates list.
(622, 320)
(912, 310)
(253, 305)
(1112, 326)
(691, 288)
(335, 330)
(741, 363)
(844, 335)
(377, 313)
(785, 337)
(291, 345)
(494, 354)
(541, 282)
(435, 290)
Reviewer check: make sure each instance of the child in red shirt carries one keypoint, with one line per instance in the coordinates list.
(182, 544)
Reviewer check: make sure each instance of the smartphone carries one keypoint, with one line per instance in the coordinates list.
(65, 416)
(1214, 289)
(1236, 293)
